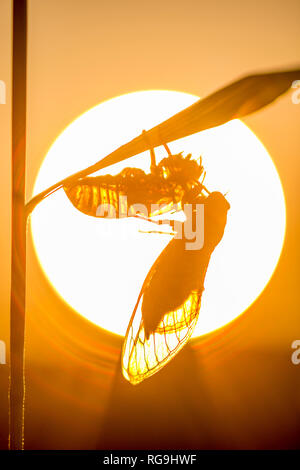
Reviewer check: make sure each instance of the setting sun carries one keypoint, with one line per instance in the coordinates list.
(98, 266)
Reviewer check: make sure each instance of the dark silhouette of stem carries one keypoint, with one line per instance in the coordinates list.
(18, 254)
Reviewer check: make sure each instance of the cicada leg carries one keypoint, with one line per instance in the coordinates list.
(156, 231)
(170, 223)
(153, 166)
(143, 217)
(168, 150)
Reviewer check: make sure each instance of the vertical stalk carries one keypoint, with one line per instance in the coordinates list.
(18, 246)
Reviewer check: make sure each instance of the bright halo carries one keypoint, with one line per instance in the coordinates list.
(98, 266)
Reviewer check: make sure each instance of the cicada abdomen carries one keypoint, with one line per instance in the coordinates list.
(88, 195)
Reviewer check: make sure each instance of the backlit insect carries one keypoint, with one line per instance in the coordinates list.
(133, 191)
(168, 305)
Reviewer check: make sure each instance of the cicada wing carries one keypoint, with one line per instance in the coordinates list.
(143, 357)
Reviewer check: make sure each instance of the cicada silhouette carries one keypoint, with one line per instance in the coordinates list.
(133, 192)
(168, 305)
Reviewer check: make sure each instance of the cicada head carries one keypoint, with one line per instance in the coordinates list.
(215, 213)
(217, 203)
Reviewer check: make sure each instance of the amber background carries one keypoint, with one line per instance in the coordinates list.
(236, 388)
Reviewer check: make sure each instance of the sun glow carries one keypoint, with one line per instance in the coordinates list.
(98, 266)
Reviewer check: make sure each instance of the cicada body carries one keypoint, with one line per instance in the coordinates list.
(168, 306)
(133, 191)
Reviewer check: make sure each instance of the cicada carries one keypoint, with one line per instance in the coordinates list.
(168, 305)
(133, 191)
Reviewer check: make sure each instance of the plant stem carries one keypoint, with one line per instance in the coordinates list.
(18, 243)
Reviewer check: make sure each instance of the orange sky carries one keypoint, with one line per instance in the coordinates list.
(81, 53)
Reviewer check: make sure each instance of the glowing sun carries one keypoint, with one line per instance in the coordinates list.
(98, 266)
